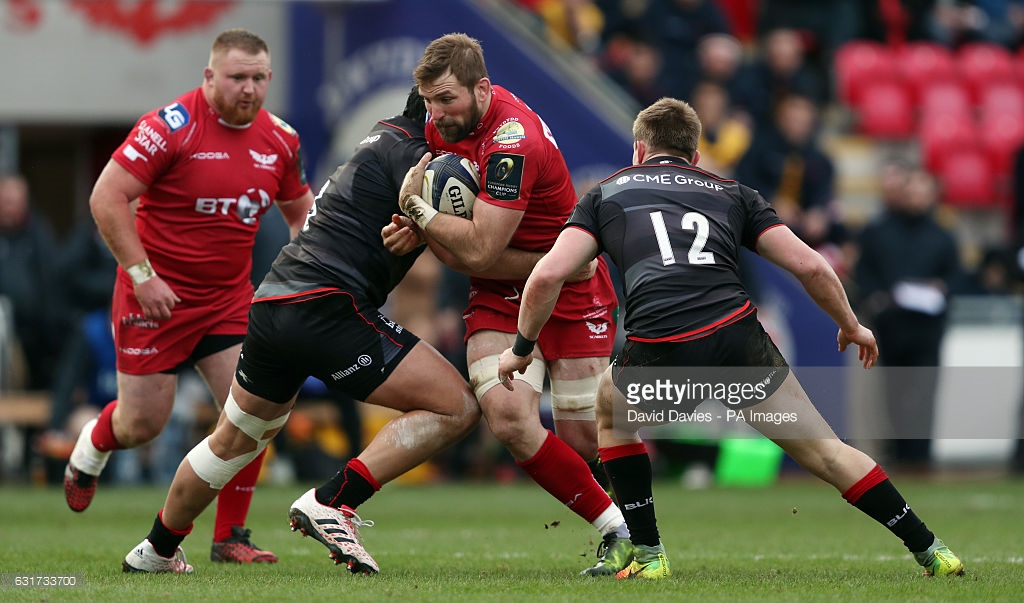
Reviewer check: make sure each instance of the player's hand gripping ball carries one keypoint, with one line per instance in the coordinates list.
(451, 184)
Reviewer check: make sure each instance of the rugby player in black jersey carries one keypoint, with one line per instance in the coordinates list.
(317, 313)
(675, 233)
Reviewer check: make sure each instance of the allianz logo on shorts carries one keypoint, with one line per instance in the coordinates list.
(363, 360)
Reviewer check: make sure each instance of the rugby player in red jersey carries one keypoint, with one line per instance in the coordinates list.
(203, 170)
(526, 194)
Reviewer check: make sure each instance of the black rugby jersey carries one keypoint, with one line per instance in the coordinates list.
(675, 233)
(340, 248)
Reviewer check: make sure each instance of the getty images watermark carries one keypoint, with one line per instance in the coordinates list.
(673, 402)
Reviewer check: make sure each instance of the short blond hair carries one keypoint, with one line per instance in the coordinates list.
(239, 38)
(668, 126)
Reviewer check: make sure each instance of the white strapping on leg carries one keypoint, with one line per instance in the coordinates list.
(218, 472)
(483, 375)
(573, 400)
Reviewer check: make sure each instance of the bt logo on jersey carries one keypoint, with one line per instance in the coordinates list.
(247, 206)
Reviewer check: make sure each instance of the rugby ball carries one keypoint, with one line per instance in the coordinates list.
(451, 184)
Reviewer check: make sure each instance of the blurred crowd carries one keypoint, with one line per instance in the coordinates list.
(759, 74)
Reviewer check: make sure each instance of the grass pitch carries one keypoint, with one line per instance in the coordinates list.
(488, 542)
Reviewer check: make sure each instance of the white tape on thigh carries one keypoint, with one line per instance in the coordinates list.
(251, 425)
(214, 470)
(483, 375)
(573, 400)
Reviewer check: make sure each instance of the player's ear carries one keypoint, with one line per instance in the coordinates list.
(639, 152)
(482, 90)
(208, 74)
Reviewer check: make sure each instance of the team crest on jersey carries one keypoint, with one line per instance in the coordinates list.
(175, 116)
(264, 162)
(504, 176)
(510, 133)
(283, 125)
(597, 329)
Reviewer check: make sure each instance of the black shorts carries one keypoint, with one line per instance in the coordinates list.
(351, 349)
(741, 353)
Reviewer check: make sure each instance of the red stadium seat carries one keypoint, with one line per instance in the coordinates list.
(942, 135)
(923, 63)
(981, 64)
(944, 98)
(967, 179)
(858, 63)
(1000, 98)
(885, 111)
(1002, 135)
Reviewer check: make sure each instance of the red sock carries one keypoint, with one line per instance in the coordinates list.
(566, 476)
(233, 500)
(103, 433)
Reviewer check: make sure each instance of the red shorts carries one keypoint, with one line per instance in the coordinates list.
(145, 346)
(581, 326)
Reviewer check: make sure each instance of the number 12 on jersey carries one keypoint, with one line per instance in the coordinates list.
(691, 221)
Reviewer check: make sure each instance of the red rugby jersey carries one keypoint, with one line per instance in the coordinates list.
(520, 168)
(209, 184)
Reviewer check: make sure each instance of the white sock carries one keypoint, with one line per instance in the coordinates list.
(85, 457)
(611, 520)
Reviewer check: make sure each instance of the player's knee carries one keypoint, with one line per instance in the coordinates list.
(218, 469)
(469, 413)
(506, 419)
(138, 431)
(233, 445)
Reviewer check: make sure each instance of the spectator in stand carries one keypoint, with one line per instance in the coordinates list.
(1017, 461)
(780, 71)
(719, 57)
(621, 17)
(27, 280)
(677, 27)
(787, 166)
(724, 137)
(896, 21)
(84, 377)
(638, 73)
(957, 22)
(86, 272)
(823, 25)
(906, 301)
(575, 24)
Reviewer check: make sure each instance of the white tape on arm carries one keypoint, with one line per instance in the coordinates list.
(141, 272)
(418, 209)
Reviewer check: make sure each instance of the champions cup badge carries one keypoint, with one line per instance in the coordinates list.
(510, 133)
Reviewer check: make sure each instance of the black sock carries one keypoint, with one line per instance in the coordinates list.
(629, 470)
(348, 487)
(598, 472)
(165, 541)
(882, 502)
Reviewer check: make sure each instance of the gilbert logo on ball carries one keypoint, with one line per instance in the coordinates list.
(451, 184)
